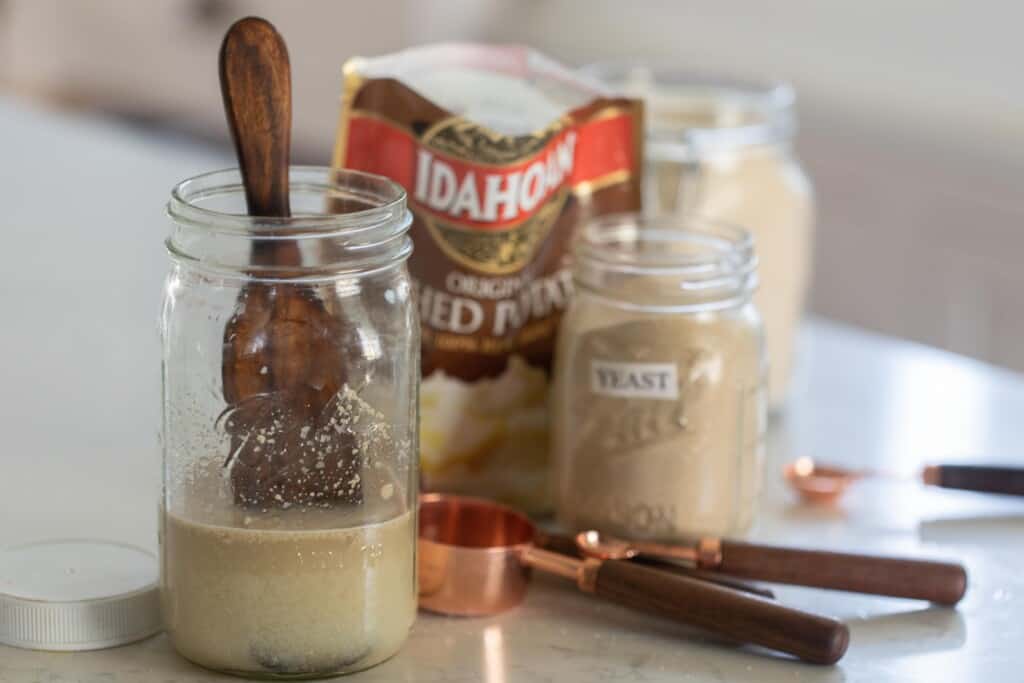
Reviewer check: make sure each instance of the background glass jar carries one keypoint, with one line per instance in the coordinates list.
(659, 404)
(721, 148)
(290, 372)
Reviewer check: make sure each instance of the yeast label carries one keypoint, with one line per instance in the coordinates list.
(635, 380)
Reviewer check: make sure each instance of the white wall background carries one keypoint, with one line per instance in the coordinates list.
(912, 113)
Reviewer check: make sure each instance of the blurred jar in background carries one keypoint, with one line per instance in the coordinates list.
(721, 149)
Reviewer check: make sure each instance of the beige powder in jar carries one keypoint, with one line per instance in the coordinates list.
(659, 394)
(757, 188)
(721, 148)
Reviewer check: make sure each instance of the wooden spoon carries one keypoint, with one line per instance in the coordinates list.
(283, 363)
(255, 81)
(943, 583)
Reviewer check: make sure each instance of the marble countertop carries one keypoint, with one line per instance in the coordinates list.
(79, 410)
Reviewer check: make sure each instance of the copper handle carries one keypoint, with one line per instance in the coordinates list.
(727, 613)
(939, 582)
(566, 545)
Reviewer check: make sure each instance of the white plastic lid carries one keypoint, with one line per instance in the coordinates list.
(77, 595)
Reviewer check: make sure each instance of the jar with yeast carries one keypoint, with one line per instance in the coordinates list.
(290, 368)
(721, 147)
(659, 403)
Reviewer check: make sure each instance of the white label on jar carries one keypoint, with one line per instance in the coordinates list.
(634, 380)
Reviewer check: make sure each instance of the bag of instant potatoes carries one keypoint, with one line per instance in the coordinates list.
(503, 154)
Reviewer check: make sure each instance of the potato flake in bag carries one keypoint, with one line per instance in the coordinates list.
(503, 154)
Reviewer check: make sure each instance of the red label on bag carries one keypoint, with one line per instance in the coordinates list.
(490, 196)
(494, 214)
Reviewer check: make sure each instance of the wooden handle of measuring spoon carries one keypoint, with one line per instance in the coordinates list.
(982, 478)
(939, 582)
(730, 614)
(256, 83)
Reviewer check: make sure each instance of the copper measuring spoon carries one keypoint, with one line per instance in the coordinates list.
(566, 545)
(817, 483)
(475, 558)
(943, 583)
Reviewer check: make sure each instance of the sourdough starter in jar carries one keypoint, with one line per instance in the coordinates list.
(290, 480)
(659, 400)
(721, 149)
(289, 594)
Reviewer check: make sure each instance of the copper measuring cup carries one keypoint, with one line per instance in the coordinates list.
(942, 583)
(475, 558)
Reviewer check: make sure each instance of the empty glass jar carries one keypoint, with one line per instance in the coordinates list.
(290, 367)
(659, 402)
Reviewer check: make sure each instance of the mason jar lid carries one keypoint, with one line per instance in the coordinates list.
(77, 594)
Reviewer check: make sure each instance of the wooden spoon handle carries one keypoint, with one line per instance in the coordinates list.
(727, 613)
(1006, 480)
(940, 582)
(255, 80)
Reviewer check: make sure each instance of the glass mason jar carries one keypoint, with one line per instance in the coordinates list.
(722, 148)
(290, 373)
(659, 400)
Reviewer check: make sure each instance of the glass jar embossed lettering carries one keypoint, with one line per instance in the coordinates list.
(290, 370)
(659, 403)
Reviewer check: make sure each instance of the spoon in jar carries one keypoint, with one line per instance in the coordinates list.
(824, 484)
(283, 358)
(943, 583)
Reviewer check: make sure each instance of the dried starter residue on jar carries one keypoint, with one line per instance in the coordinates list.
(339, 458)
(283, 362)
(200, 487)
(661, 428)
(281, 456)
